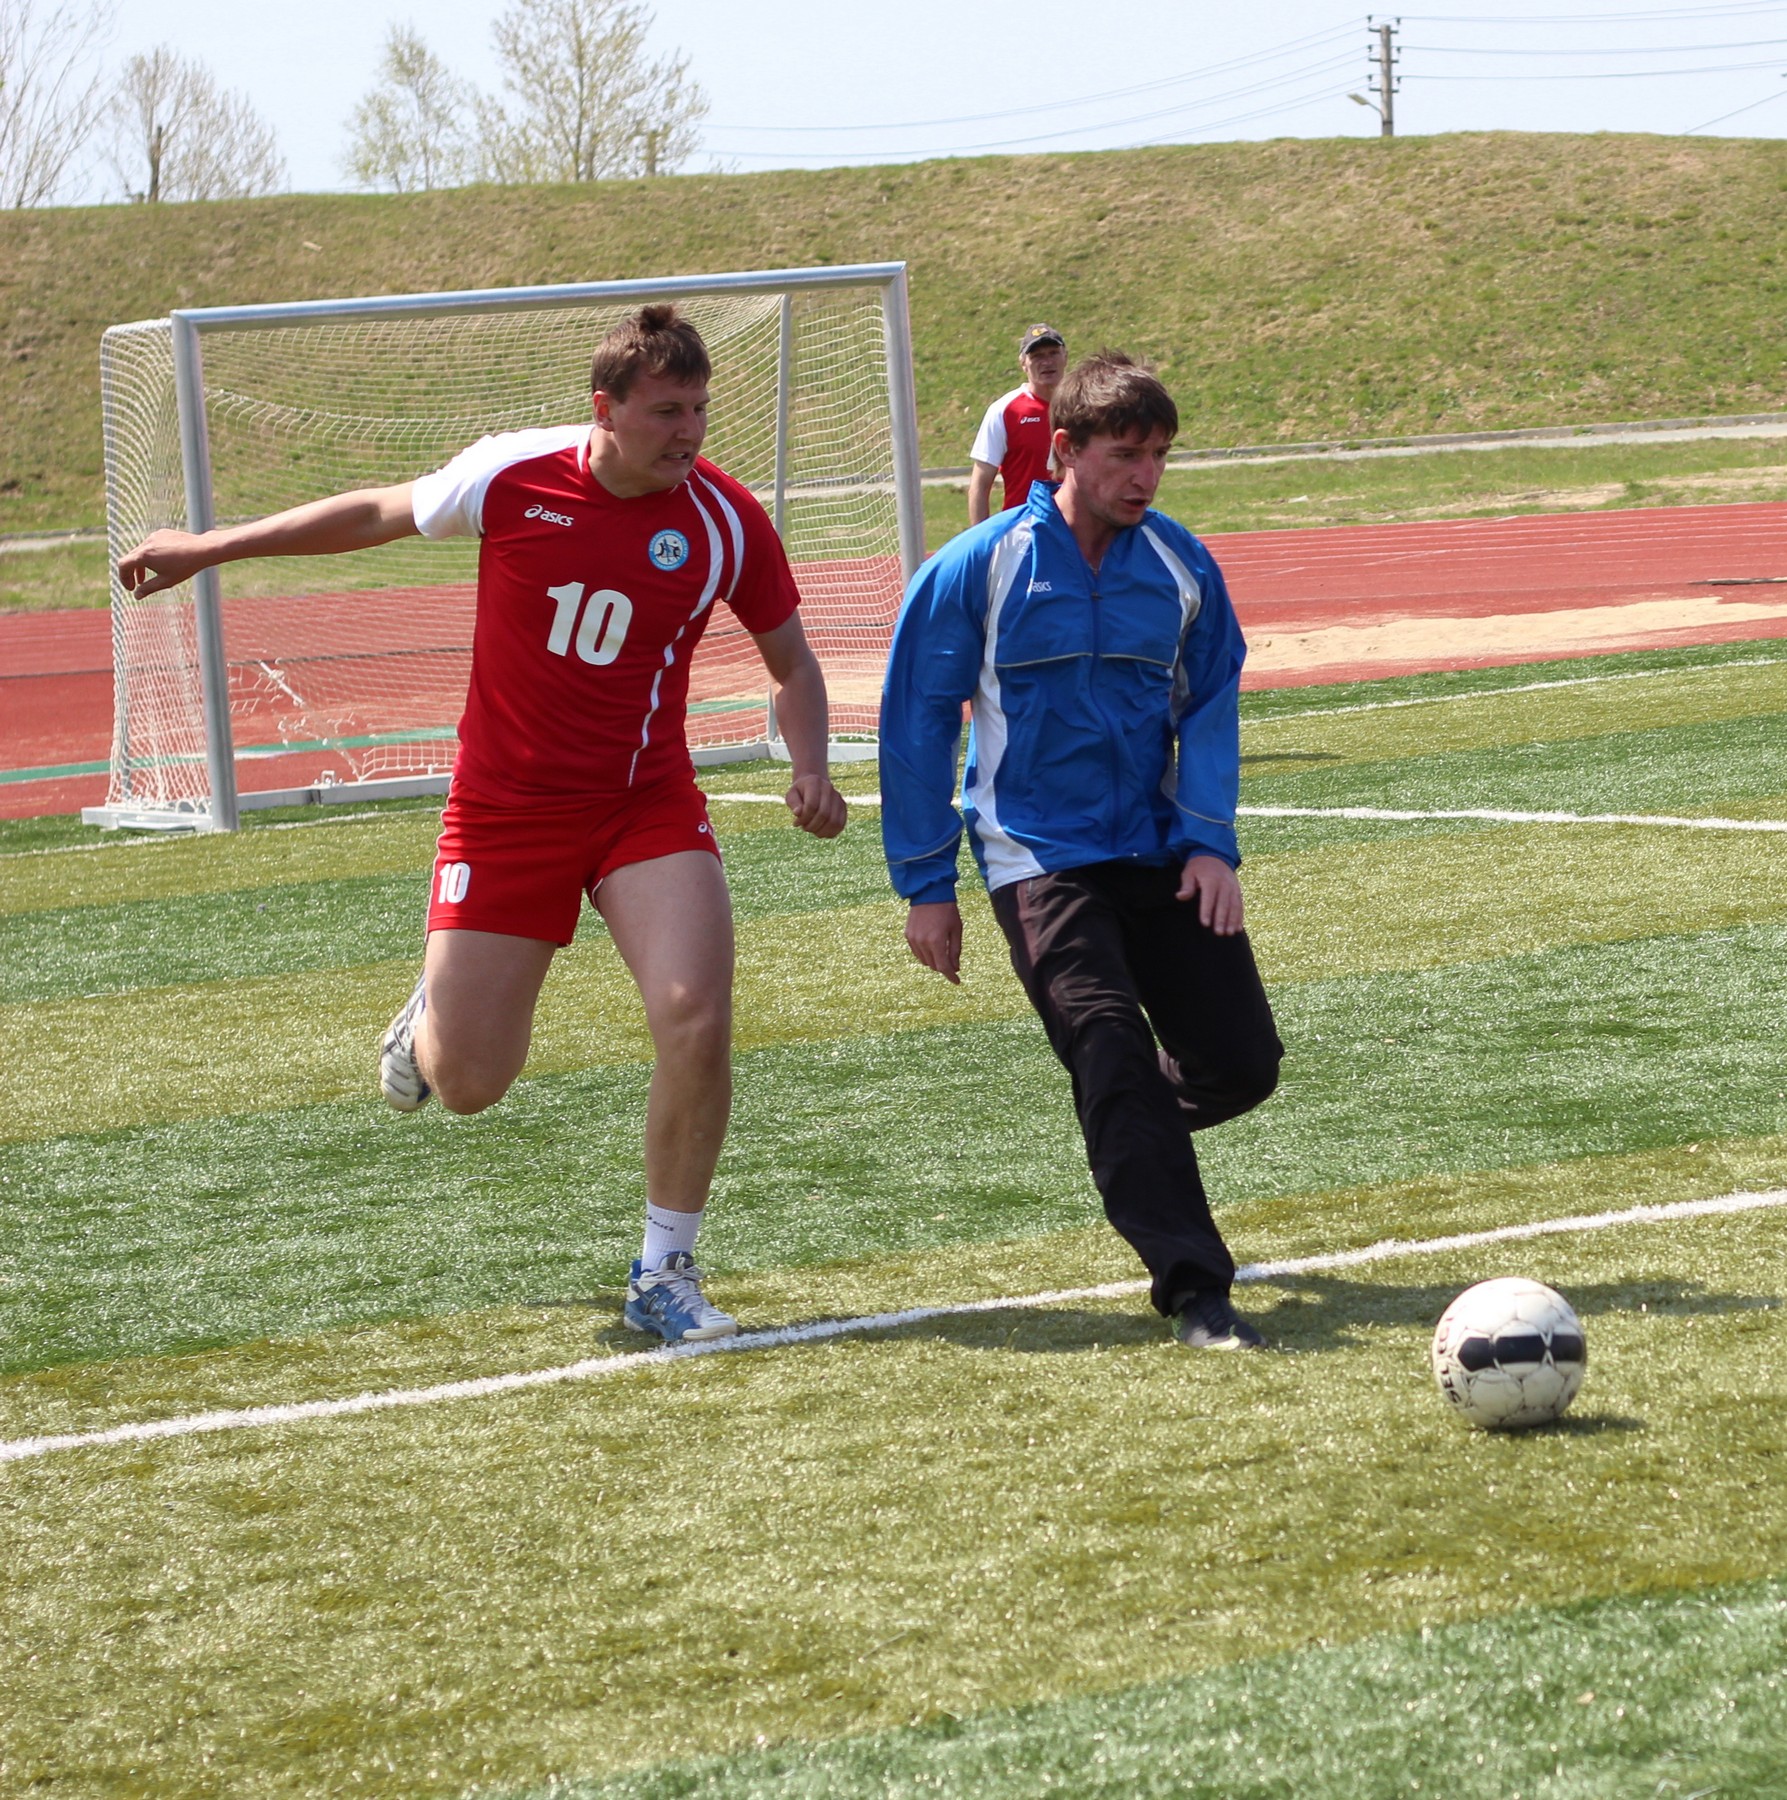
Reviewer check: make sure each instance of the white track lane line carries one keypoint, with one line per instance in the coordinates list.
(597, 1367)
(1490, 815)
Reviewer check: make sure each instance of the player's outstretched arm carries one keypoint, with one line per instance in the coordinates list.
(801, 712)
(354, 521)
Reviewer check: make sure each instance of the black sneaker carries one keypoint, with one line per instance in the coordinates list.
(1206, 1321)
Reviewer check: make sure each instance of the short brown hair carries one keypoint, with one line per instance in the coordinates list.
(657, 340)
(1111, 395)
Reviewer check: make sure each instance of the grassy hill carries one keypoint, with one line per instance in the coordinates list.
(1286, 290)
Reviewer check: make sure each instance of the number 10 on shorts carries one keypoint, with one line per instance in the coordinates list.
(603, 628)
(454, 879)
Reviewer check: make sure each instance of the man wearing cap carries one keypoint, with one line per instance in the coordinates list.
(1014, 437)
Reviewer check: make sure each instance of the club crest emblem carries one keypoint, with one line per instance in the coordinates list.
(669, 550)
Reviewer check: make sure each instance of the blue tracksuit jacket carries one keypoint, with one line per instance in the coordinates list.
(1105, 718)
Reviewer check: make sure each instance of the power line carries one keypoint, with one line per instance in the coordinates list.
(1327, 65)
(1267, 112)
(1593, 50)
(1326, 92)
(1017, 112)
(1742, 10)
(1720, 120)
(1619, 74)
(1178, 110)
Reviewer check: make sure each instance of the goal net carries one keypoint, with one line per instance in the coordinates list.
(286, 679)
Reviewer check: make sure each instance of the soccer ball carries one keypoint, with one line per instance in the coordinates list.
(1509, 1353)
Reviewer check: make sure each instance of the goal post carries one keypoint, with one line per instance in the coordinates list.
(284, 680)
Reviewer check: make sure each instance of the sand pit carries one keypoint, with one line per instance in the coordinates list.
(1445, 640)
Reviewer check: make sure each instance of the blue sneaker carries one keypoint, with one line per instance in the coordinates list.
(400, 1081)
(669, 1301)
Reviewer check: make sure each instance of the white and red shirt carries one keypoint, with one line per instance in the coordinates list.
(589, 609)
(1014, 437)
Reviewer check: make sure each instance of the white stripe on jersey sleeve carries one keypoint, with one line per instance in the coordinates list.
(708, 589)
(989, 442)
(736, 529)
(450, 502)
(715, 556)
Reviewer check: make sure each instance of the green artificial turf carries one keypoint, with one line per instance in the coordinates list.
(947, 1559)
(219, 1229)
(1310, 897)
(981, 1512)
(1661, 1693)
(1327, 909)
(844, 1266)
(1661, 702)
(188, 940)
(266, 922)
(1685, 769)
(1260, 704)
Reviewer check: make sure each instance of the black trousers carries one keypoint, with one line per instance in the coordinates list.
(1164, 1028)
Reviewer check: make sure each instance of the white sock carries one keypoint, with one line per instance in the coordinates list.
(666, 1233)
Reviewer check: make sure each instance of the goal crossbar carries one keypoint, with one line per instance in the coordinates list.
(792, 474)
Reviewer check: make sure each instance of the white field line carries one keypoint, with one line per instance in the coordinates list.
(1314, 712)
(597, 1367)
(777, 800)
(147, 841)
(1396, 815)
(1530, 687)
(1495, 817)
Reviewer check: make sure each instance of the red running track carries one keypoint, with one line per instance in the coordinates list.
(1338, 604)
(1359, 602)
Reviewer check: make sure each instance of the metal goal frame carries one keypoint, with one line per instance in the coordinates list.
(189, 326)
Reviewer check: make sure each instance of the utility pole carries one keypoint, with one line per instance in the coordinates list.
(1382, 86)
(651, 135)
(1386, 77)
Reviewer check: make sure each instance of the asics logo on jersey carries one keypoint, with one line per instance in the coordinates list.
(1041, 587)
(668, 550)
(551, 518)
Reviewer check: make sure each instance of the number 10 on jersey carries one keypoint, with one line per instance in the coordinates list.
(602, 629)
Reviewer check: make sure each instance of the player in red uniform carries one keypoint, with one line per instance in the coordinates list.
(1015, 435)
(605, 549)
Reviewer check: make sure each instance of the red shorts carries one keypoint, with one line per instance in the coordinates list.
(523, 869)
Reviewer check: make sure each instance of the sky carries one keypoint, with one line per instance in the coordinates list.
(806, 83)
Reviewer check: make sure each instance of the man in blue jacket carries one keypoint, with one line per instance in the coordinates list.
(1095, 642)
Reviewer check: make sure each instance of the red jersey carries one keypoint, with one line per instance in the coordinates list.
(589, 609)
(1014, 437)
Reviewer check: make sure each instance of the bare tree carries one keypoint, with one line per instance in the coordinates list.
(50, 92)
(411, 130)
(586, 100)
(178, 136)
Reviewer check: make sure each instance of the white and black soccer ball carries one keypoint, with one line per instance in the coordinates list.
(1509, 1353)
